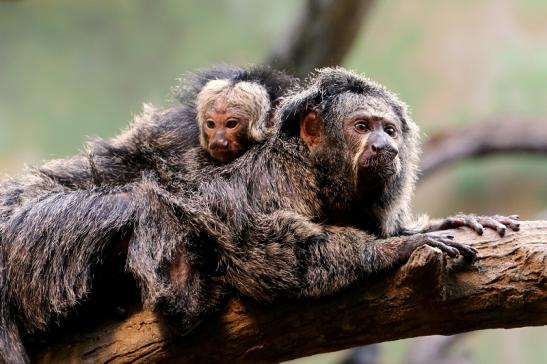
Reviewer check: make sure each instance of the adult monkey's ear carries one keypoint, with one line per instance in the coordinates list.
(311, 129)
(294, 108)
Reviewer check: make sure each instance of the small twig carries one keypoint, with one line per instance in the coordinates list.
(504, 135)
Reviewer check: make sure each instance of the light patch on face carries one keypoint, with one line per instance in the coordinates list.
(357, 157)
(349, 103)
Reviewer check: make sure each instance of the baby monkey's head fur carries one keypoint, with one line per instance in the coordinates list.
(233, 106)
(363, 143)
(231, 115)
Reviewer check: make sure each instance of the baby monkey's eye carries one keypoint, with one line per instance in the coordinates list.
(361, 126)
(232, 123)
(391, 131)
(210, 124)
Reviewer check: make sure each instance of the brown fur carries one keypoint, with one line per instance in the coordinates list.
(291, 217)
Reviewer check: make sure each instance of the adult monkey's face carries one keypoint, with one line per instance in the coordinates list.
(363, 133)
(373, 134)
(362, 142)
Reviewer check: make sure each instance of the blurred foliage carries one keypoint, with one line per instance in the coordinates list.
(69, 70)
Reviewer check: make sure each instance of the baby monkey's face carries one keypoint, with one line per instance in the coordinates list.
(231, 116)
(226, 130)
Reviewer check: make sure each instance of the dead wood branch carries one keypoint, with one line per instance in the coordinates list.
(491, 137)
(322, 35)
(505, 288)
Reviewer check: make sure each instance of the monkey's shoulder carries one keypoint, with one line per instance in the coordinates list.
(256, 179)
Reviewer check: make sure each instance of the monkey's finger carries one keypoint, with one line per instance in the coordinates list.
(452, 252)
(494, 224)
(509, 221)
(461, 246)
(514, 217)
(437, 236)
(474, 224)
(469, 253)
(452, 223)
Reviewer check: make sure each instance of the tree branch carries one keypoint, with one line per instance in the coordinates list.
(491, 137)
(322, 35)
(505, 288)
(435, 350)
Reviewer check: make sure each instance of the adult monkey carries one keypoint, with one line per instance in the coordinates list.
(249, 225)
(57, 223)
(345, 154)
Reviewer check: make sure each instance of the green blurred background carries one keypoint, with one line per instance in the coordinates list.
(73, 70)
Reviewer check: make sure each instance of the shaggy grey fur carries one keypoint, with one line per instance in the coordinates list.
(263, 221)
(56, 222)
(281, 220)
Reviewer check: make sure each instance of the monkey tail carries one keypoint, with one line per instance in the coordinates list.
(52, 244)
(11, 348)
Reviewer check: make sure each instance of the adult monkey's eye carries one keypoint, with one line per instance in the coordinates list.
(361, 126)
(232, 123)
(391, 131)
(210, 124)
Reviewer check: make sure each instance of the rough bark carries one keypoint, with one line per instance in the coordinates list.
(491, 137)
(321, 37)
(430, 294)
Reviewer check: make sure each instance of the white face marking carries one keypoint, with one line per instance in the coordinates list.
(350, 104)
(357, 156)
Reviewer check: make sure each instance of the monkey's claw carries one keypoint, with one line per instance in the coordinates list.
(446, 244)
(478, 223)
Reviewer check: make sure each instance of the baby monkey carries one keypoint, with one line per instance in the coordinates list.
(231, 115)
